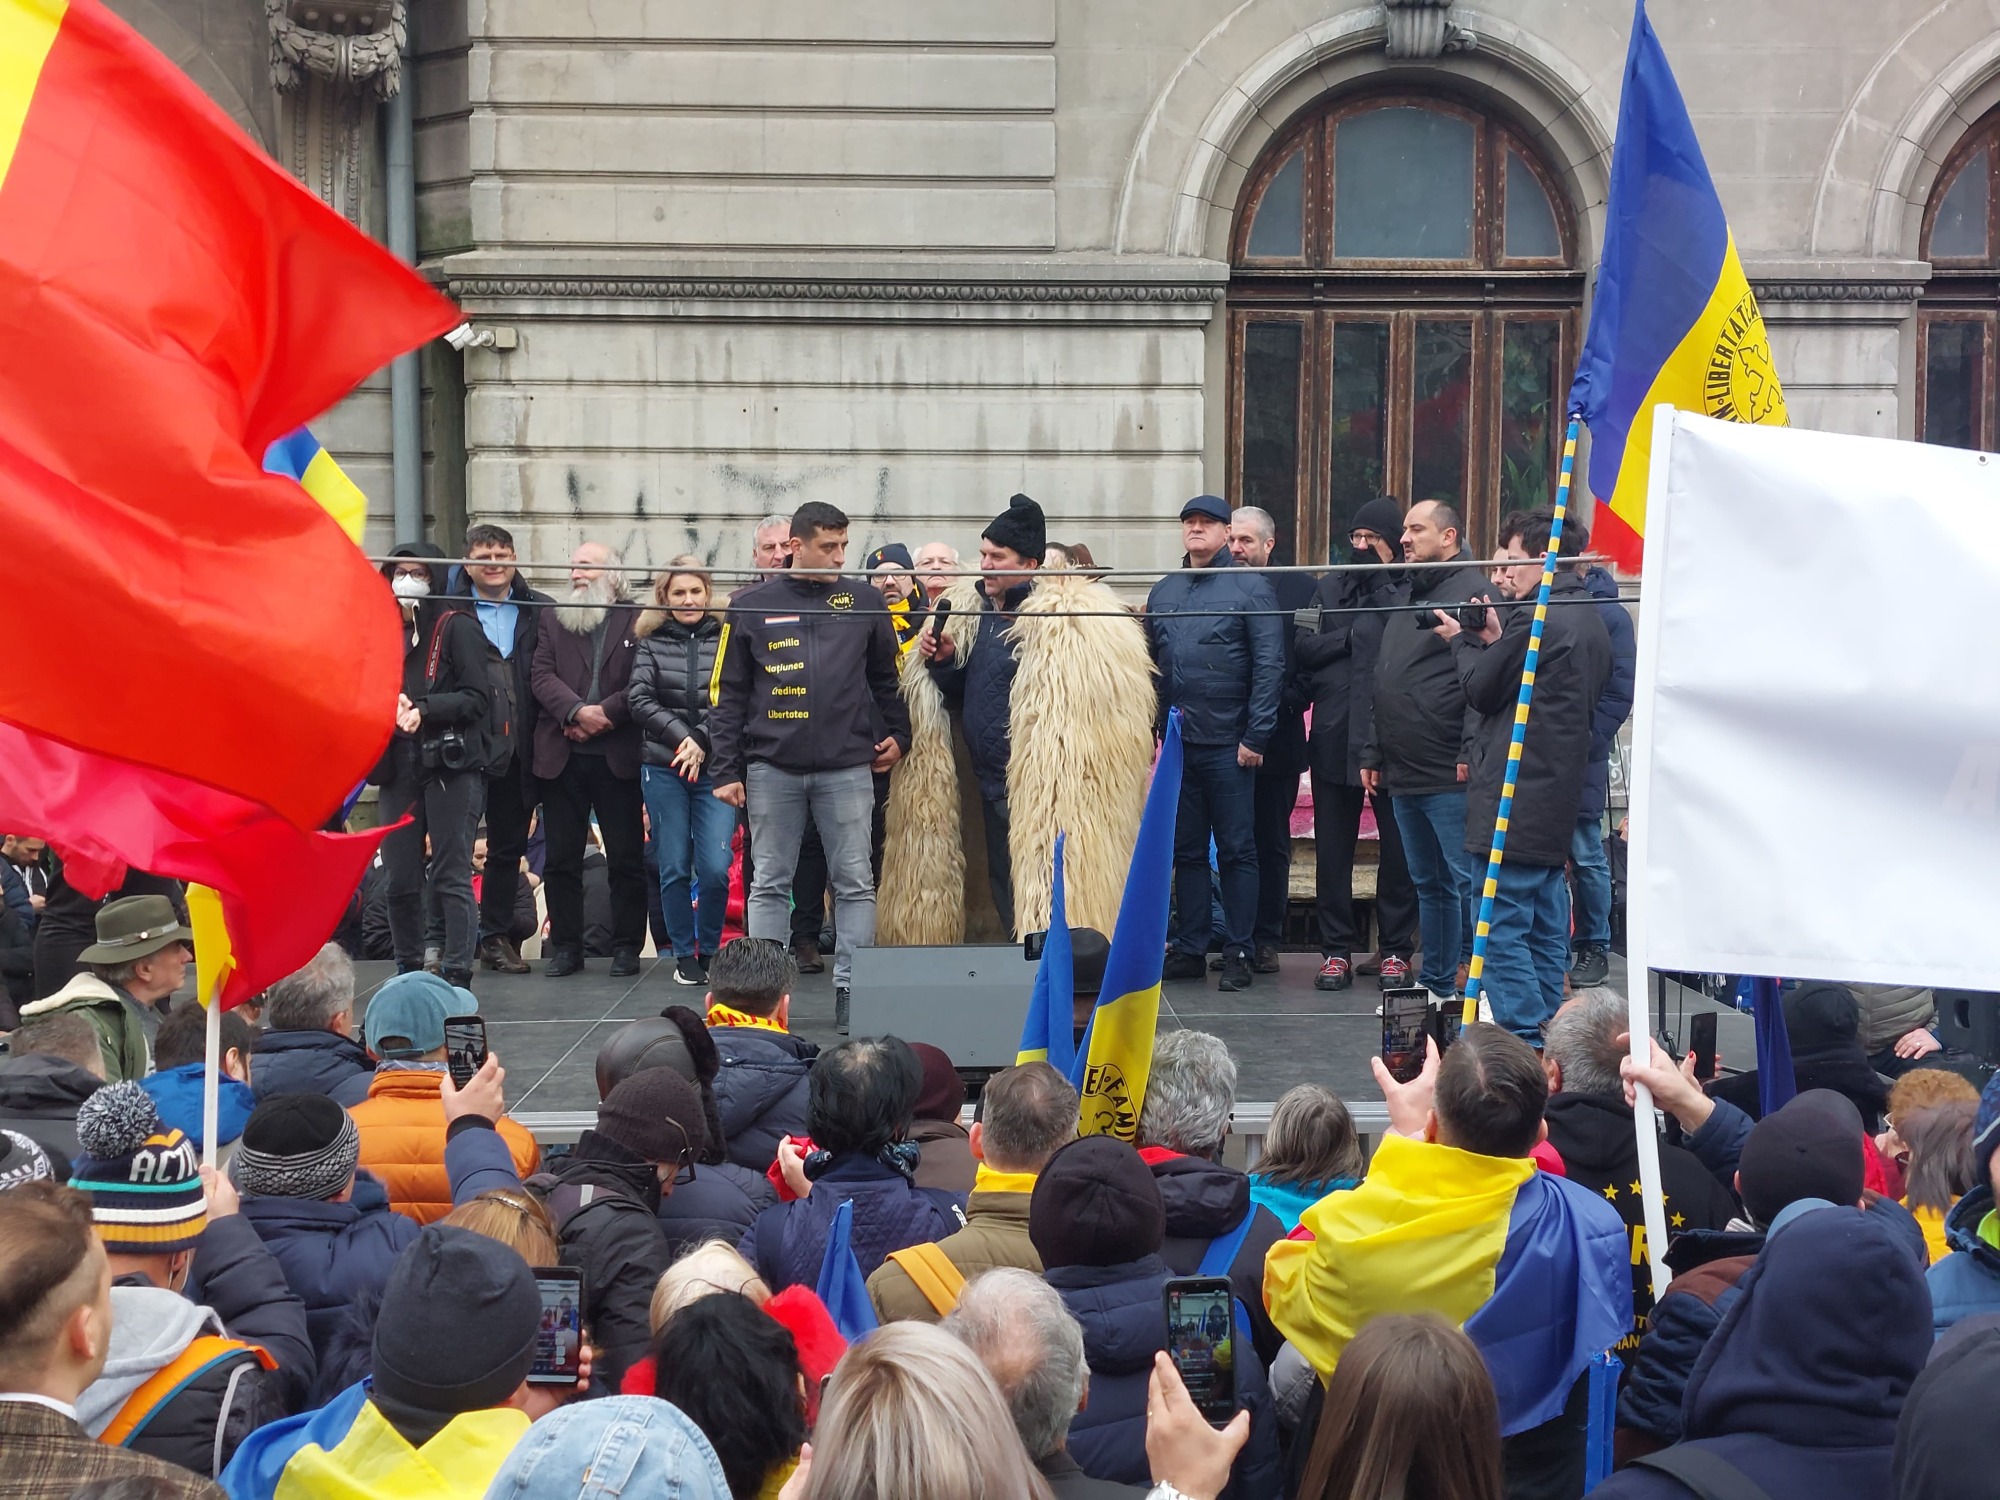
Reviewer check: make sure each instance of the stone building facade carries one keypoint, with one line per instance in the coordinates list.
(910, 256)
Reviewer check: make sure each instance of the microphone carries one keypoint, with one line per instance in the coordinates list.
(939, 612)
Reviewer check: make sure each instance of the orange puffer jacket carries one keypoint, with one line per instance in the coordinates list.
(402, 1142)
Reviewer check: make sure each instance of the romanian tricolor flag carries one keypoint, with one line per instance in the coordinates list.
(1118, 1049)
(1049, 1033)
(1674, 321)
(348, 1448)
(299, 456)
(1536, 1269)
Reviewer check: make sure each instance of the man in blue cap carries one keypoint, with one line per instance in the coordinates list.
(402, 1121)
(1215, 632)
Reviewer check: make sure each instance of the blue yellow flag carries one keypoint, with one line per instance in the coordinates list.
(841, 1285)
(1049, 1033)
(299, 456)
(1673, 320)
(1118, 1050)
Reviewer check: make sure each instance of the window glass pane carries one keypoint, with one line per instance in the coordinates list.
(1279, 228)
(1359, 419)
(1528, 377)
(1531, 222)
(1960, 226)
(1953, 376)
(1442, 402)
(1402, 186)
(1271, 355)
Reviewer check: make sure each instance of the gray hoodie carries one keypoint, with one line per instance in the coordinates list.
(150, 1326)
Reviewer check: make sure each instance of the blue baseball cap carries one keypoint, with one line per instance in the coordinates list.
(1213, 506)
(414, 1008)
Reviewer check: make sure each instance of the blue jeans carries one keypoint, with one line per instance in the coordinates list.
(1432, 828)
(691, 834)
(1218, 800)
(1593, 884)
(1527, 948)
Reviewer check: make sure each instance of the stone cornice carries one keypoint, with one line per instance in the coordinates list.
(651, 289)
(1837, 291)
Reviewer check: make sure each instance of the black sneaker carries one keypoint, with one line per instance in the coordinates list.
(689, 970)
(1181, 965)
(843, 1000)
(1235, 972)
(1592, 966)
(1266, 961)
(461, 978)
(624, 963)
(563, 963)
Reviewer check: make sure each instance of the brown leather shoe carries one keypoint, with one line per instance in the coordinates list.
(805, 952)
(499, 954)
(1464, 973)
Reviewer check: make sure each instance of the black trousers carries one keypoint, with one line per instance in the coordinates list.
(999, 864)
(1336, 827)
(510, 806)
(1271, 825)
(588, 786)
(444, 809)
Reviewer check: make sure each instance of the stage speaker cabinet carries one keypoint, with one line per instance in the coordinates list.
(970, 1001)
(1969, 1021)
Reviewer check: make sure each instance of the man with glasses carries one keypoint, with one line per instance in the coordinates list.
(1336, 658)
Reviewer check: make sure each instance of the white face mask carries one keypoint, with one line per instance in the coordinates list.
(408, 586)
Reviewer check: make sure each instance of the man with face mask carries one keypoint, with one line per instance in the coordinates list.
(587, 753)
(434, 769)
(1337, 662)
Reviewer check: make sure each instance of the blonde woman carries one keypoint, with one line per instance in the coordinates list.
(709, 1268)
(672, 689)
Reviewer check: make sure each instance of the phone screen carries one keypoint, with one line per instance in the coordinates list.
(559, 1339)
(1406, 1021)
(464, 1047)
(1201, 1343)
(1701, 1042)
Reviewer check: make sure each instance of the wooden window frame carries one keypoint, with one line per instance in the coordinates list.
(1986, 439)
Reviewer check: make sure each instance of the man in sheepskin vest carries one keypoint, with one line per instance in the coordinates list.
(1049, 674)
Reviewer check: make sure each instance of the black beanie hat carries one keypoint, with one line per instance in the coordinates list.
(458, 1323)
(1809, 1149)
(1096, 1204)
(1384, 517)
(296, 1146)
(656, 1114)
(1021, 527)
(1822, 1018)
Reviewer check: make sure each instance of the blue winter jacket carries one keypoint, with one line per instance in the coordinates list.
(1614, 703)
(787, 1243)
(981, 685)
(1224, 667)
(1123, 1314)
(176, 1094)
(311, 1062)
(1967, 1281)
(333, 1254)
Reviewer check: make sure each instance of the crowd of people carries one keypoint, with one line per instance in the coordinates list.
(787, 1271)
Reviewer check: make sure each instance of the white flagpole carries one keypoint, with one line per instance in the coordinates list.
(211, 1080)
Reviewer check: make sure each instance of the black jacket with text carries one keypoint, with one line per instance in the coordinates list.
(808, 679)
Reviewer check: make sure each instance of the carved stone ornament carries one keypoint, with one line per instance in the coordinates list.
(355, 47)
(1422, 29)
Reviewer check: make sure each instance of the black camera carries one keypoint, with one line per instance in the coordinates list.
(1469, 616)
(447, 751)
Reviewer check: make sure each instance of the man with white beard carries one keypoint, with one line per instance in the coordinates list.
(587, 754)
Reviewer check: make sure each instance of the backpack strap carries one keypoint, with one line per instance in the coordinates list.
(1707, 1474)
(200, 1356)
(934, 1275)
(1224, 1248)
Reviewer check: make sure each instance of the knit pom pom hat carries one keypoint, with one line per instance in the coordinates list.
(143, 1179)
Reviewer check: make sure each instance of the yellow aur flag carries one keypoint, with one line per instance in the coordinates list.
(214, 961)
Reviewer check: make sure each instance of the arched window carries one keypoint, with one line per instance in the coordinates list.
(1403, 319)
(1956, 326)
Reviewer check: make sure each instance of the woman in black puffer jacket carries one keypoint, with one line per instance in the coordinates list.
(672, 689)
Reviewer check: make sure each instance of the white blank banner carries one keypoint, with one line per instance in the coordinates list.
(1817, 740)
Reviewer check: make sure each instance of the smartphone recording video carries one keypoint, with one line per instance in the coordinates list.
(1201, 1342)
(559, 1338)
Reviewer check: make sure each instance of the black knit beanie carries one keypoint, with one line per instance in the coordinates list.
(458, 1324)
(1384, 517)
(655, 1114)
(1096, 1204)
(1822, 1018)
(1809, 1149)
(1021, 527)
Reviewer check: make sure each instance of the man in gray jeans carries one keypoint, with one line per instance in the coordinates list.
(806, 710)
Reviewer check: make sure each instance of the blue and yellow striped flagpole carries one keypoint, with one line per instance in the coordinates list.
(1521, 707)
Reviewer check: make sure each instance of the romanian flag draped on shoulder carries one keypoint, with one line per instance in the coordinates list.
(1534, 1267)
(214, 663)
(1110, 1073)
(1673, 319)
(347, 1448)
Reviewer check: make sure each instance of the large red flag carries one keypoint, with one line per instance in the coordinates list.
(171, 302)
(283, 891)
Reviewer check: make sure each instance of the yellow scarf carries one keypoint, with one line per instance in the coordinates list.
(722, 1015)
(986, 1180)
